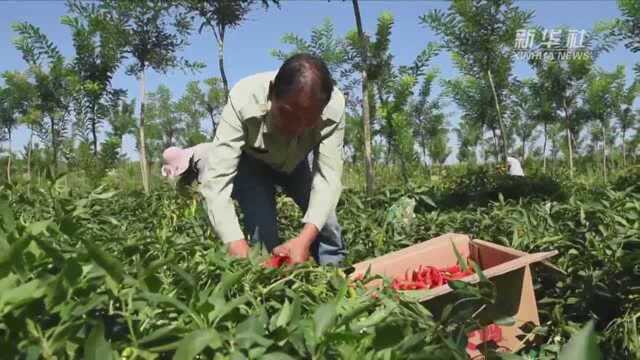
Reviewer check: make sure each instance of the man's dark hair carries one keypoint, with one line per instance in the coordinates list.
(296, 72)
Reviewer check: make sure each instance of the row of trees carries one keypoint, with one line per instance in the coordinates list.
(64, 102)
(570, 108)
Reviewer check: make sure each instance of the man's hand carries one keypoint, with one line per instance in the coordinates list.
(298, 248)
(238, 248)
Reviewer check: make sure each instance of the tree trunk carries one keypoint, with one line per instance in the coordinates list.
(93, 130)
(624, 151)
(544, 151)
(424, 156)
(503, 133)
(54, 145)
(570, 153)
(143, 148)
(29, 149)
(496, 143)
(220, 39)
(403, 169)
(9, 159)
(423, 145)
(604, 152)
(213, 124)
(566, 116)
(365, 101)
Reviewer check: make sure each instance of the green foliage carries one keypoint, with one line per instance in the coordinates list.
(430, 123)
(625, 28)
(51, 83)
(594, 229)
(214, 101)
(528, 112)
(152, 33)
(98, 54)
(472, 96)
(191, 110)
(629, 178)
(480, 35)
(106, 274)
(325, 44)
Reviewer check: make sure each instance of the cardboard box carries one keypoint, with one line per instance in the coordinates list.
(508, 269)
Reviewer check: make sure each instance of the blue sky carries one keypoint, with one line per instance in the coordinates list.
(248, 47)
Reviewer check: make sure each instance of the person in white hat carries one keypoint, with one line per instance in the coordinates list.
(514, 167)
(187, 164)
(270, 125)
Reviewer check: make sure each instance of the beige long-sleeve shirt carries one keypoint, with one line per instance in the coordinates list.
(245, 125)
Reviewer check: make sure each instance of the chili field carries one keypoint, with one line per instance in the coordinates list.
(108, 274)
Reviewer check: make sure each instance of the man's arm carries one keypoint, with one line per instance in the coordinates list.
(326, 185)
(326, 189)
(217, 183)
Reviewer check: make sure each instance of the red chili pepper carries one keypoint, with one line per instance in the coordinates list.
(490, 333)
(276, 261)
(407, 285)
(429, 277)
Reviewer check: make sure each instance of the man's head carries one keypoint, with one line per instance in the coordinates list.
(299, 93)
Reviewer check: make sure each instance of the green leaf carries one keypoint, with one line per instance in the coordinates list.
(6, 215)
(166, 299)
(461, 260)
(250, 332)
(446, 312)
(195, 342)
(378, 316)
(46, 245)
(582, 346)
(38, 227)
(388, 335)
(12, 256)
(458, 284)
(222, 311)
(155, 266)
(21, 294)
(478, 271)
(506, 321)
(355, 312)
(277, 356)
(96, 347)
(110, 264)
(229, 279)
(102, 196)
(324, 317)
(285, 314)
(161, 333)
(72, 271)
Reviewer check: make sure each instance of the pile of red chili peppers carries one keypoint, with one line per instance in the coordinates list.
(428, 277)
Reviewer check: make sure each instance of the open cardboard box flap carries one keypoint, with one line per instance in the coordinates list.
(507, 268)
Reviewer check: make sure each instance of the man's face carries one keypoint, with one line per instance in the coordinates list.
(293, 115)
